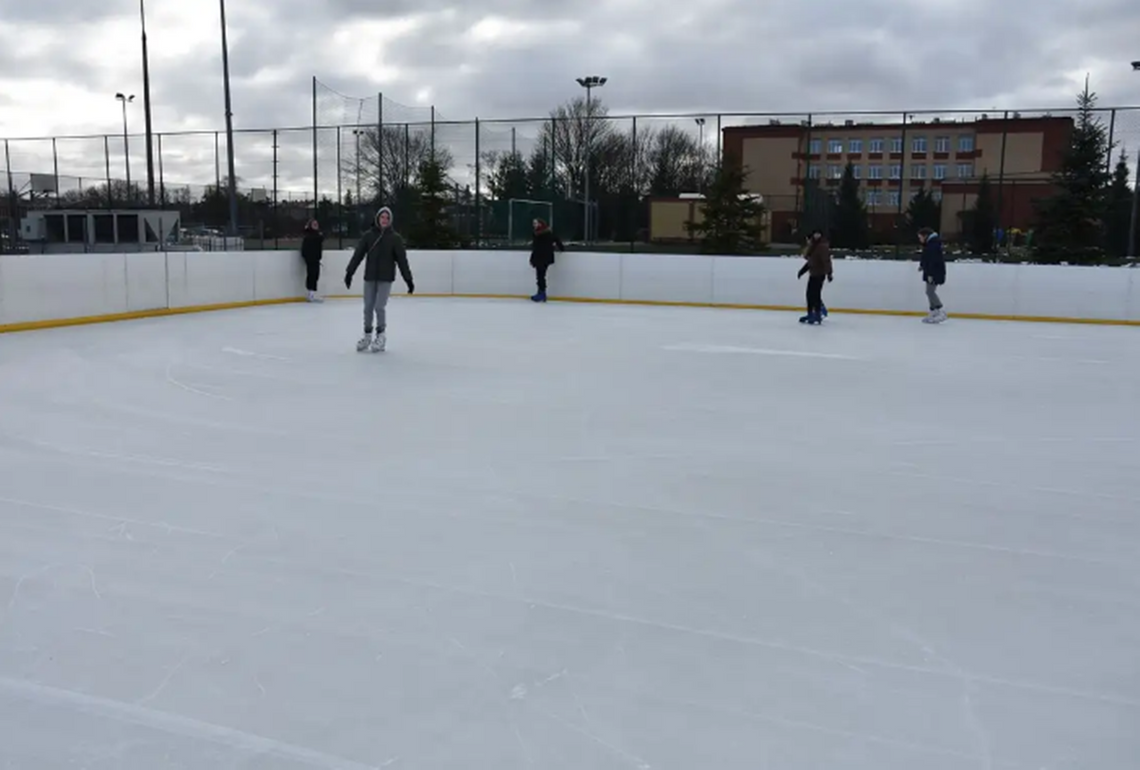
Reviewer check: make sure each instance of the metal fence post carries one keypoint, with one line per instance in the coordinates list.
(1001, 180)
(718, 137)
(433, 132)
(107, 164)
(379, 151)
(635, 190)
(902, 185)
(1111, 130)
(13, 208)
(276, 220)
(316, 194)
(339, 195)
(55, 170)
(407, 156)
(478, 190)
(217, 164)
(161, 175)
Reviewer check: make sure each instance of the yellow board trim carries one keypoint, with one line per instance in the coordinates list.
(55, 323)
(787, 308)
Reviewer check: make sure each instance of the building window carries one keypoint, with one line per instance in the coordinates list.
(965, 170)
(874, 172)
(937, 196)
(896, 144)
(875, 145)
(939, 170)
(896, 172)
(918, 172)
(835, 146)
(813, 172)
(835, 172)
(874, 197)
(854, 146)
(814, 146)
(893, 198)
(965, 143)
(857, 171)
(918, 144)
(942, 144)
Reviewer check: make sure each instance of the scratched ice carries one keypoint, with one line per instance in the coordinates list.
(569, 536)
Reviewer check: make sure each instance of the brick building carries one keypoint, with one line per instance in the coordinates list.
(893, 162)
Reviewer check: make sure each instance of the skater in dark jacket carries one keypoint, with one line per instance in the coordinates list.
(818, 268)
(312, 246)
(382, 250)
(932, 265)
(542, 255)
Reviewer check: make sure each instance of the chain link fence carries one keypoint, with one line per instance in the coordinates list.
(595, 178)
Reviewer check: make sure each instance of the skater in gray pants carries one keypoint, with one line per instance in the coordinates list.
(382, 250)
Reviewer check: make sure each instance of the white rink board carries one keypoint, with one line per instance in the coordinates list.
(43, 288)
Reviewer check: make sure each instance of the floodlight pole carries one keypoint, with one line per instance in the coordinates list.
(229, 125)
(146, 108)
(590, 82)
(1134, 220)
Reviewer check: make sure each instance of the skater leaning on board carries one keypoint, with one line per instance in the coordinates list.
(542, 255)
(312, 247)
(382, 250)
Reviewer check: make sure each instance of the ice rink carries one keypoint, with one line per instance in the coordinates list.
(573, 536)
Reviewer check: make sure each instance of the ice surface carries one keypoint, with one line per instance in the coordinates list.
(569, 536)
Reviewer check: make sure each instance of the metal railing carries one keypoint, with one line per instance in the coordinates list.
(374, 152)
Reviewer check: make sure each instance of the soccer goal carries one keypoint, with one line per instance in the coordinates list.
(520, 214)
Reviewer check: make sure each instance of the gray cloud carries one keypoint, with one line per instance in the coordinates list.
(735, 56)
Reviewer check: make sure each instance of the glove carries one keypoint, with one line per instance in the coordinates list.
(411, 288)
(830, 278)
(347, 281)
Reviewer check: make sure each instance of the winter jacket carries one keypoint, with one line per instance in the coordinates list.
(543, 246)
(933, 261)
(312, 245)
(382, 250)
(818, 256)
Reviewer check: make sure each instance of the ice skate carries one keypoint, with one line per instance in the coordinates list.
(929, 318)
(940, 316)
(379, 343)
(823, 310)
(539, 297)
(364, 342)
(812, 319)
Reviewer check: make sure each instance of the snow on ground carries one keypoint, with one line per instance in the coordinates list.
(569, 536)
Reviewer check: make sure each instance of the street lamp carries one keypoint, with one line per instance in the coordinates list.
(146, 109)
(126, 144)
(1134, 221)
(229, 125)
(590, 82)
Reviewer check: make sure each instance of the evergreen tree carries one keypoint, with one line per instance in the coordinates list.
(923, 211)
(850, 229)
(1071, 223)
(1119, 209)
(431, 228)
(982, 219)
(732, 218)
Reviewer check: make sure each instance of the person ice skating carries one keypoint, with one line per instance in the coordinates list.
(933, 268)
(382, 250)
(312, 246)
(818, 267)
(542, 255)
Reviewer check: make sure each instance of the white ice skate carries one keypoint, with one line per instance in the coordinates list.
(379, 343)
(363, 343)
(314, 297)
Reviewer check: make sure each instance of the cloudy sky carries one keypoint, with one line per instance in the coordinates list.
(61, 62)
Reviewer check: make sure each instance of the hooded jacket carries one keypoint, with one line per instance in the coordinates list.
(382, 250)
(818, 256)
(312, 244)
(543, 246)
(933, 260)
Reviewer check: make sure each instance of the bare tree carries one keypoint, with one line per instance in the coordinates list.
(394, 156)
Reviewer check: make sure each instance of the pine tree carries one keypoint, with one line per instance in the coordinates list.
(432, 227)
(982, 219)
(1119, 208)
(1071, 223)
(850, 228)
(923, 211)
(732, 218)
